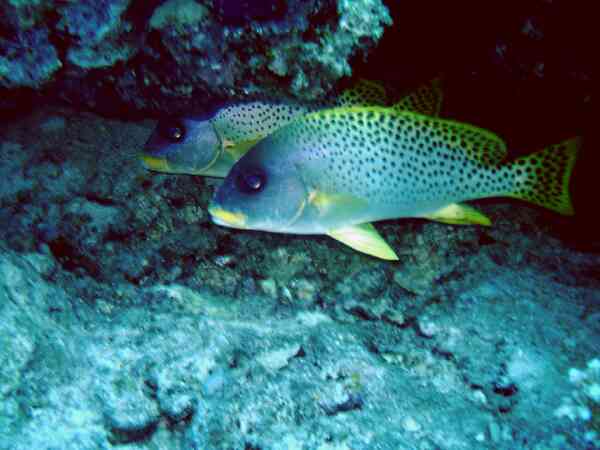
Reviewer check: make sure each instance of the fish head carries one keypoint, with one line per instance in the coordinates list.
(263, 191)
(185, 145)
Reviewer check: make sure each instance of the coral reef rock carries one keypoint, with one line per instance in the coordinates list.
(174, 55)
(129, 321)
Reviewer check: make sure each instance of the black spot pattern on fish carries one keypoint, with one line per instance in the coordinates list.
(389, 157)
(257, 119)
(254, 120)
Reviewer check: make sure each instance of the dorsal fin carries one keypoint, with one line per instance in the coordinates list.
(426, 99)
(476, 143)
(363, 93)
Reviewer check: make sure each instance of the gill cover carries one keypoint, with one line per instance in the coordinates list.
(267, 192)
(183, 145)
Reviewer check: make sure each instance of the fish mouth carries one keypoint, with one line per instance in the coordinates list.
(226, 218)
(154, 163)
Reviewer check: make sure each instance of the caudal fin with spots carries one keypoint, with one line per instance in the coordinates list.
(543, 177)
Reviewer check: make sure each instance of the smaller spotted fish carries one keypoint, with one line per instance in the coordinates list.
(210, 146)
(335, 171)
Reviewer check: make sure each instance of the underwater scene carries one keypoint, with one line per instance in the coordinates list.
(299, 225)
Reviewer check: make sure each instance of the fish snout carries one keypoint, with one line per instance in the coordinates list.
(226, 218)
(154, 163)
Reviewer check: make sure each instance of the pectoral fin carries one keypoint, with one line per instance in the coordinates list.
(240, 148)
(338, 205)
(459, 214)
(365, 239)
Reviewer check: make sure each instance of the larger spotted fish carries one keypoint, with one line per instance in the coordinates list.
(335, 171)
(211, 145)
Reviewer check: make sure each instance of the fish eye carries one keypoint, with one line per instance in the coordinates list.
(251, 181)
(172, 130)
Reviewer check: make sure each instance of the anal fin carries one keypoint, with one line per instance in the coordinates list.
(364, 238)
(459, 214)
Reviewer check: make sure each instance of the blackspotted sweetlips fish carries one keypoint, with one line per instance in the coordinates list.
(210, 145)
(336, 171)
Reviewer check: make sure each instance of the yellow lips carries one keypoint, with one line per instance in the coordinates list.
(223, 217)
(153, 163)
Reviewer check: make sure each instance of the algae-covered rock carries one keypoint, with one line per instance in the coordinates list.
(174, 55)
(251, 52)
(98, 33)
(28, 59)
(23, 14)
(130, 321)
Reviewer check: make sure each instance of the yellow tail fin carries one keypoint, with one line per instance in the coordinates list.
(543, 177)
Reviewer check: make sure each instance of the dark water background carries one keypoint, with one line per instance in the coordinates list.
(500, 92)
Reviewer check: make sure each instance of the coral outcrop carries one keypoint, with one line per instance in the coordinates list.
(174, 55)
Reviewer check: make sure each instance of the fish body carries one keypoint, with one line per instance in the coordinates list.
(210, 145)
(340, 168)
